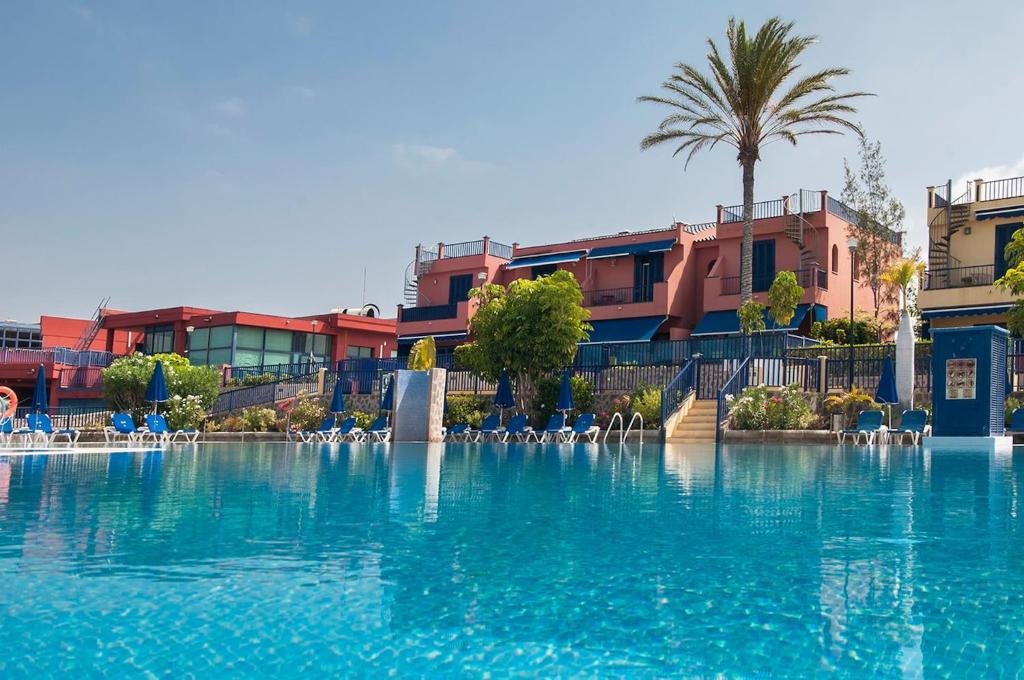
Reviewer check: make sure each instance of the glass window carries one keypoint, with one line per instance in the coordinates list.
(219, 356)
(320, 345)
(197, 357)
(159, 340)
(353, 352)
(270, 358)
(199, 339)
(250, 337)
(220, 336)
(279, 341)
(248, 357)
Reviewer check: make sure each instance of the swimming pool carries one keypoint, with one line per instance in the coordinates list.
(548, 560)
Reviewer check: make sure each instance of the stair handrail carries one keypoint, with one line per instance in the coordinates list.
(679, 388)
(735, 384)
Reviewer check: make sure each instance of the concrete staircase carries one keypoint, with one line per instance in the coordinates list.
(698, 426)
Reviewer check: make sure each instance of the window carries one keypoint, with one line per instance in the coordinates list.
(20, 338)
(764, 264)
(711, 265)
(353, 352)
(543, 270)
(648, 269)
(835, 259)
(458, 288)
(159, 340)
(211, 346)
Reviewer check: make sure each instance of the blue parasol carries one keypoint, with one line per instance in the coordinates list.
(39, 400)
(565, 394)
(387, 400)
(503, 399)
(338, 400)
(156, 390)
(886, 392)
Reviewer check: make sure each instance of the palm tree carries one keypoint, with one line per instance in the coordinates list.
(747, 102)
(902, 274)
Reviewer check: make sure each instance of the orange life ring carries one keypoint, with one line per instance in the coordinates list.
(10, 399)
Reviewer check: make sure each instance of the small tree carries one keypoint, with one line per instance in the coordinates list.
(531, 329)
(783, 297)
(423, 355)
(125, 381)
(1013, 281)
(751, 315)
(878, 214)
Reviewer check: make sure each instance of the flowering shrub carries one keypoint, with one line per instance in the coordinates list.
(758, 409)
(646, 401)
(307, 414)
(259, 419)
(184, 413)
(850, 405)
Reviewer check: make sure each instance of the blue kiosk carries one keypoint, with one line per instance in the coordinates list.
(969, 389)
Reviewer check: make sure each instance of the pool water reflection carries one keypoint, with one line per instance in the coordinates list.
(549, 560)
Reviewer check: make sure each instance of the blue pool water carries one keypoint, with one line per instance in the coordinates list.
(270, 559)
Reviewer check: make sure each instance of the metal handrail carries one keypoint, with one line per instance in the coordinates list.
(735, 384)
(613, 296)
(679, 389)
(429, 313)
(960, 277)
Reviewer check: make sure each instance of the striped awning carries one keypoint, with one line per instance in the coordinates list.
(631, 249)
(996, 213)
(946, 312)
(546, 258)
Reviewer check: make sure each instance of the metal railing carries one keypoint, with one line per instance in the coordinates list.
(615, 296)
(679, 389)
(431, 313)
(733, 386)
(265, 395)
(848, 214)
(81, 378)
(463, 249)
(1011, 187)
(72, 417)
(274, 372)
(761, 210)
(56, 355)
(501, 250)
(960, 277)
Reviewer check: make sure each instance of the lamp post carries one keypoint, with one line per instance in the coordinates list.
(188, 338)
(312, 343)
(852, 244)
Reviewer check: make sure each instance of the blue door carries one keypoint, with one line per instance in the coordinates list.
(764, 264)
(1004, 233)
(458, 288)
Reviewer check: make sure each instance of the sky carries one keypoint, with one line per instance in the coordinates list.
(271, 157)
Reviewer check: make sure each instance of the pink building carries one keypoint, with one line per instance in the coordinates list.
(661, 284)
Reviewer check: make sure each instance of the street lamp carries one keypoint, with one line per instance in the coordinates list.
(852, 244)
(188, 338)
(312, 343)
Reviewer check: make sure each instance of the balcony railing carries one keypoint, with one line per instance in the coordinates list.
(845, 212)
(762, 210)
(471, 248)
(55, 355)
(1002, 188)
(616, 296)
(81, 378)
(432, 313)
(807, 278)
(960, 277)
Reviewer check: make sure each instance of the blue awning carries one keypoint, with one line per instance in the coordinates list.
(820, 313)
(638, 329)
(547, 258)
(963, 311)
(631, 249)
(995, 213)
(438, 337)
(727, 323)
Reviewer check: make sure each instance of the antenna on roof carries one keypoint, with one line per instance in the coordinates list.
(364, 286)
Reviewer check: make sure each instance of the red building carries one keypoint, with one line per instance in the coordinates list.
(73, 352)
(667, 283)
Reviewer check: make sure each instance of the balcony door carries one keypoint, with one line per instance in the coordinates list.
(763, 265)
(648, 269)
(458, 288)
(1004, 234)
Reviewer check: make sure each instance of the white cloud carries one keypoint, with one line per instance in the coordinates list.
(299, 25)
(422, 158)
(84, 13)
(232, 107)
(992, 172)
(302, 93)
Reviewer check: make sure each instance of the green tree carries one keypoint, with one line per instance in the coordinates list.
(878, 214)
(125, 381)
(423, 355)
(751, 314)
(783, 297)
(531, 328)
(1013, 281)
(752, 97)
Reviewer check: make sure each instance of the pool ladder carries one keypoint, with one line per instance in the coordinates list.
(623, 434)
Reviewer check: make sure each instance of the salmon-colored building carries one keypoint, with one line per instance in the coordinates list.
(660, 284)
(73, 352)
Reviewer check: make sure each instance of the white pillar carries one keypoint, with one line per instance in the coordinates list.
(905, 360)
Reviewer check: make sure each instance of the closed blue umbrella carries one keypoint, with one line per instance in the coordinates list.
(39, 400)
(387, 400)
(338, 400)
(156, 390)
(565, 394)
(886, 392)
(1009, 383)
(503, 399)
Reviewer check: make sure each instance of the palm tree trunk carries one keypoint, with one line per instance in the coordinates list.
(747, 244)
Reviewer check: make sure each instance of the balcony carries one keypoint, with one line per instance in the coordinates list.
(432, 313)
(616, 296)
(960, 277)
(806, 278)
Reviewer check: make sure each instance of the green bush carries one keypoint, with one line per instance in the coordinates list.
(252, 380)
(307, 414)
(1012, 404)
(547, 397)
(125, 381)
(866, 330)
(646, 400)
(466, 408)
(758, 408)
(184, 413)
(363, 419)
(850, 404)
(259, 419)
